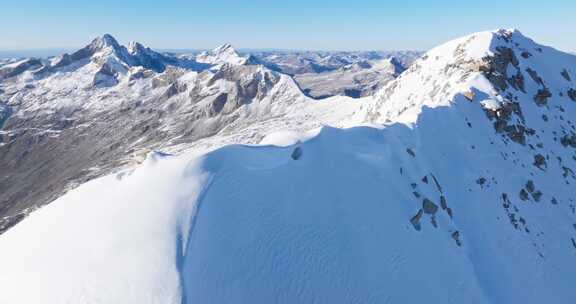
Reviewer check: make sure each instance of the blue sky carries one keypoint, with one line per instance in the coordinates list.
(294, 24)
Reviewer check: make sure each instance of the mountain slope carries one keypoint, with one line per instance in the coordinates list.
(100, 109)
(465, 194)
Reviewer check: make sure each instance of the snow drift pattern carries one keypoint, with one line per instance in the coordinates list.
(465, 196)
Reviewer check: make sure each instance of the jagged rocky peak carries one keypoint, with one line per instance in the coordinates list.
(106, 44)
(112, 57)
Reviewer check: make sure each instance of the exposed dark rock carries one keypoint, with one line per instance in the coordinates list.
(567, 172)
(173, 90)
(437, 183)
(503, 115)
(516, 133)
(569, 140)
(297, 153)
(566, 75)
(540, 161)
(495, 67)
(411, 152)
(526, 54)
(541, 97)
(19, 68)
(481, 181)
(415, 220)
(572, 94)
(530, 186)
(534, 75)
(517, 81)
(219, 103)
(537, 195)
(433, 221)
(443, 202)
(456, 237)
(425, 179)
(523, 195)
(429, 207)
(5, 112)
(141, 75)
(505, 201)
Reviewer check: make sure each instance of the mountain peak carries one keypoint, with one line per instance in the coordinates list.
(104, 41)
(502, 62)
(223, 54)
(225, 48)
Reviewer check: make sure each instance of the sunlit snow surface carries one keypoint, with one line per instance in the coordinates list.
(327, 224)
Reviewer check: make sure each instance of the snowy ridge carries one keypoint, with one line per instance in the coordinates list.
(463, 192)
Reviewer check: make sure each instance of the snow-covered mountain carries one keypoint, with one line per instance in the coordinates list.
(223, 54)
(354, 80)
(314, 62)
(87, 114)
(454, 184)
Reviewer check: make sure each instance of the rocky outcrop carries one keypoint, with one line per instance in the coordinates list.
(429, 207)
(495, 67)
(541, 97)
(572, 94)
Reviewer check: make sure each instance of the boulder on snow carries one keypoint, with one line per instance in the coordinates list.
(411, 152)
(541, 97)
(429, 207)
(456, 237)
(572, 94)
(415, 220)
(297, 153)
(540, 161)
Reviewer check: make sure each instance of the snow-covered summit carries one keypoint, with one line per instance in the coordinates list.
(223, 54)
(498, 63)
(104, 41)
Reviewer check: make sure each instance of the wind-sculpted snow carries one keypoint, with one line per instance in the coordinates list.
(459, 190)
(112, 240)
(336, 224)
